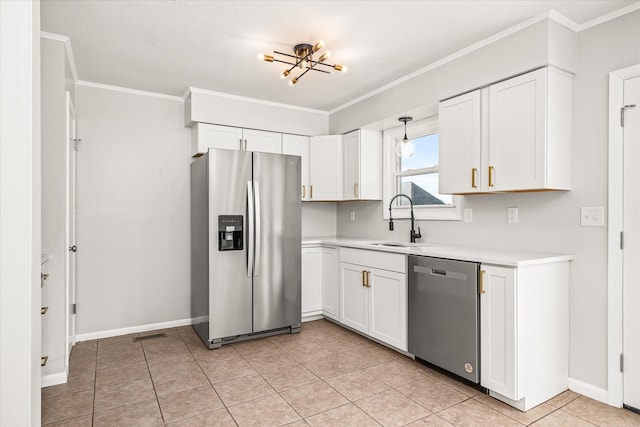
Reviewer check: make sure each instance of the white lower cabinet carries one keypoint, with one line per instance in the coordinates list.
(311, 281)
(373, 300)
(524, 329)
(320, 286)
(330, 283)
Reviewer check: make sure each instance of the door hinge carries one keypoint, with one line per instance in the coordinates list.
(622, 110)
(73, 308)
(621, 362)
(622, 240)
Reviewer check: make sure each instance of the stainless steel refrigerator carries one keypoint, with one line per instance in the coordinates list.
(245, 245)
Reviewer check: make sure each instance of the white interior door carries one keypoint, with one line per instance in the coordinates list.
(631, 253)
(70, 276)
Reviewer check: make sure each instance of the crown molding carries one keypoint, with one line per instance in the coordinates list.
(609, 16)
(471, 48)
(67, 48)
(252, 100)
(128, 90)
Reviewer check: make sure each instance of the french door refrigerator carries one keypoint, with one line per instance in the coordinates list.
(245, 245)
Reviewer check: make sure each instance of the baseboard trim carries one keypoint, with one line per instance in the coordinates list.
(309, 318)
(132, 330)
(53, 379)
(589, 390)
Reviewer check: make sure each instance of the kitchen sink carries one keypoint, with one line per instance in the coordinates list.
(400, 245)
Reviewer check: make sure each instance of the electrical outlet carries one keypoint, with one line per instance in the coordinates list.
(592, 216)
(353, 215)
(468, 216)
(512, 215)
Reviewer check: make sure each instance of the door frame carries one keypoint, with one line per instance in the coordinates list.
(70, 291)
(614, 227)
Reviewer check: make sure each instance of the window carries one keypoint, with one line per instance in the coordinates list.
(416, 176)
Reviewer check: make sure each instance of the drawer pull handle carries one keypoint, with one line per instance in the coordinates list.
(482, 290)
(44, 360)
(304, 191)
(474, 171)
(43, 310)
(490, 176)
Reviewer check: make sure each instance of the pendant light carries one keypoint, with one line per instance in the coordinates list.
(404, 147)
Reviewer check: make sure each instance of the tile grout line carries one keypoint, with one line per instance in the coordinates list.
(155, 392)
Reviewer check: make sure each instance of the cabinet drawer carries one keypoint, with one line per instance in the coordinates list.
(382, 260)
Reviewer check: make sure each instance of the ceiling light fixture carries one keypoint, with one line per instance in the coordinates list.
(303, 58)
(404, 146)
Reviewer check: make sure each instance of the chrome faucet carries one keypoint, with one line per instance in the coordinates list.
(414, 235)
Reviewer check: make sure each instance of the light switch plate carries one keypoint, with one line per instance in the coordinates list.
(512, 215)
(353, 215)
(592, 216)
(468, 216)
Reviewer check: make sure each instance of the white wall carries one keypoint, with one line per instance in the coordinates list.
(319, 219)
(132, 210)
(20, 213)
(548, 221)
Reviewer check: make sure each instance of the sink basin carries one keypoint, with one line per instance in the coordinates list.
(401, 245)
(393, 245)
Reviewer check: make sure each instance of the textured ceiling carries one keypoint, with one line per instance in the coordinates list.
(165, 46)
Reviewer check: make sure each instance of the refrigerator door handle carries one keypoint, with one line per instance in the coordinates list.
(250, 225)
(256, 268)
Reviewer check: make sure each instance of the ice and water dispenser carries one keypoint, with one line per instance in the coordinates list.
(230, 235)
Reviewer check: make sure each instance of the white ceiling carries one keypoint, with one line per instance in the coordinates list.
(165, 46)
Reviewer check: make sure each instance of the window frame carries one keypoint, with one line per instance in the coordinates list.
(390, 173)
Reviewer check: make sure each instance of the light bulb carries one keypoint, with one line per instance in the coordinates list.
(341, 68)
(324, 57)
(319, 45)
(261, 57)
(404, 148)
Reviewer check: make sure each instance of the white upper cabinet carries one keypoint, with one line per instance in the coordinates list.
(205, 136)
(325, 168)
(459, 148)
(514, 135)
(362, 165)
(262, 141)
(298, 145)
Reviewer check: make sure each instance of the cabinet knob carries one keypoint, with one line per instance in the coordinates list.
(44, 360)
(43, 310)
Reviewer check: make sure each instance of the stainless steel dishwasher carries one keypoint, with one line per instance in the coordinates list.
(444, 314)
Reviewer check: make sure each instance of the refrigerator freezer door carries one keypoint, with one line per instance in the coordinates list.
(277, 277)
(230, 292)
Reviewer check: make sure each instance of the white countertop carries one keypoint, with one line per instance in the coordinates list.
(503, 257)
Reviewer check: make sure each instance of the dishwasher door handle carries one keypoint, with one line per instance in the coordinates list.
(438, 272)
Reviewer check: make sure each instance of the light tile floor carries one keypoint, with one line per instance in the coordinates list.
(324, 376)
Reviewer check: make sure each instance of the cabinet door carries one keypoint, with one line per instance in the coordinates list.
(312, 281)
(351, 165)
(354, 301)
(362, 165)
(460, 140)
(298, 145)
(262, 141)
(517, 123)
(205, 136)
(498, 330)
(388, 305)
(330, 283)
(325, 167)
